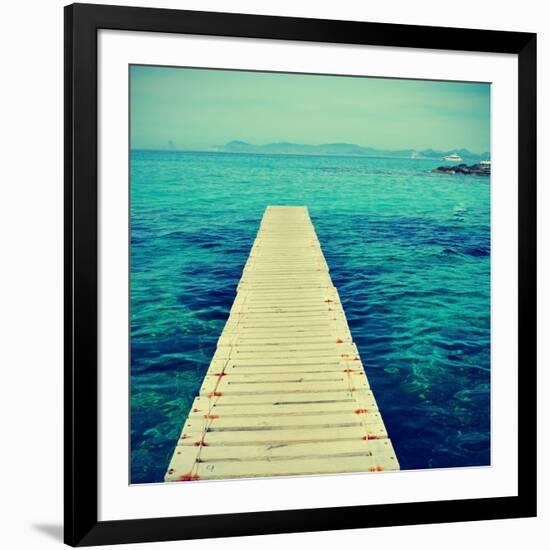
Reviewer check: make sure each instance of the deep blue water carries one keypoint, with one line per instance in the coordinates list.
(408, 250)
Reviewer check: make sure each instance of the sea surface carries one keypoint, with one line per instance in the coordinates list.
(408, 250)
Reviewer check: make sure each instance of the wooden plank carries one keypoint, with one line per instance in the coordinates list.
(262, 376)
(289, 352)
(285, 399)
(329, 349)
(246, 328)
(286, 392)
(250, 330)
(203, 406)
(221, 422)
(366, 397)
(315, 408)
(220, 453)
(282, 434)
(236, 337)
(232, 367)
(274, 437)
(298, 466)
(299, 457)
(218, 364)
(284, 298)
(213, 384)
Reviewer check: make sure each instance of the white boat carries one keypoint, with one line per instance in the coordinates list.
(486, 162)
(453, 158)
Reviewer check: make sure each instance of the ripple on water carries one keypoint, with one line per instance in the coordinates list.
(408, 252)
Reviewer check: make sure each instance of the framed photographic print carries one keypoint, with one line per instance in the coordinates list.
(299, 274)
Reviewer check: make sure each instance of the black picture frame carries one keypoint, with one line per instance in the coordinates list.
(82, 22)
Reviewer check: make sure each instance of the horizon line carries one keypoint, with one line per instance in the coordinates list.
(259, 154)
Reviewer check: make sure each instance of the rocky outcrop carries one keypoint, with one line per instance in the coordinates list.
(473, 170)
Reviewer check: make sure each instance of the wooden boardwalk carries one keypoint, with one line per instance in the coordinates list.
(285, 393)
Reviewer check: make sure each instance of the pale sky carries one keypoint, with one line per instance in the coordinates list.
(201, 108)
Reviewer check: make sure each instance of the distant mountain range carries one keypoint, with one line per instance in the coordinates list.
(341, 149)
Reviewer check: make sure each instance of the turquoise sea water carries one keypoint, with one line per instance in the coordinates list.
(408, 250)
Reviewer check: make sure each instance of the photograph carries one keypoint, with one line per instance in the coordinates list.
(310, 274)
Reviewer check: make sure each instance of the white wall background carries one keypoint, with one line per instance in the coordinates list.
(31, 273)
